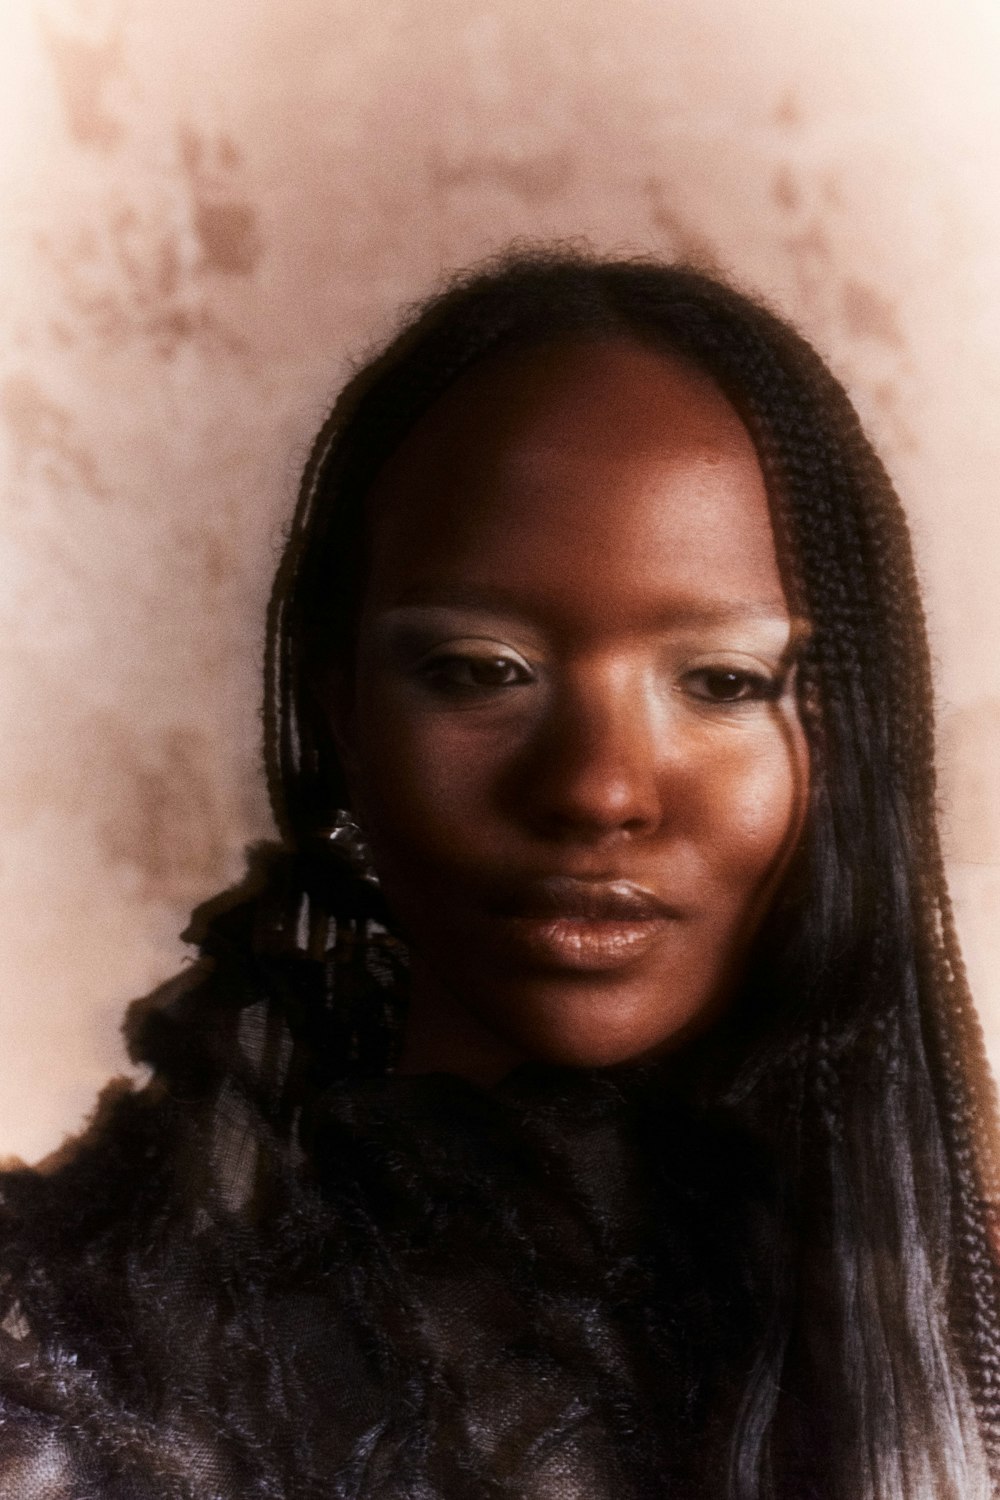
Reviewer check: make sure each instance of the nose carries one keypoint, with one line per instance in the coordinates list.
(592, 774)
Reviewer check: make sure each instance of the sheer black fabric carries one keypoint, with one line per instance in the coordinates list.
(266, 1275)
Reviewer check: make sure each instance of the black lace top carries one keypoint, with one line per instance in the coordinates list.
(383, 1287)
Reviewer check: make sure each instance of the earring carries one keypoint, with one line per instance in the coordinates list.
(347, 838)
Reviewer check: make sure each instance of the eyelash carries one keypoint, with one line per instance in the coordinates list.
(750, 687)
(444, 674)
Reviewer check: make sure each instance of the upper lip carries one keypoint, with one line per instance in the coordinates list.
(596, 900)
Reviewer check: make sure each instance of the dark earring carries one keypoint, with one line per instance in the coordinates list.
(366, 964)
(346, 837)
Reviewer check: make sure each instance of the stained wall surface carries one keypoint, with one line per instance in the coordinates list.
(207, 211)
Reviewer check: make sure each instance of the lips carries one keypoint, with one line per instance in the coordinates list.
(563, 922)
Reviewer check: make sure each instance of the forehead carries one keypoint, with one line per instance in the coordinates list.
(577, 476)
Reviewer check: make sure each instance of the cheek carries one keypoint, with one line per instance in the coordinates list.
(754, 800)
(426, 782)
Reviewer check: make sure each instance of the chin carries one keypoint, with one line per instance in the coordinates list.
(597, 1030)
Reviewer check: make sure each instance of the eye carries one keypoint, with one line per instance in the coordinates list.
(731, 685)
(465, 672)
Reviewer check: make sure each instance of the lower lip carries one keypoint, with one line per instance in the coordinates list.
(584, 944)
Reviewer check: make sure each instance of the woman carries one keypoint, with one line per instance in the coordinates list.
(588, 1101)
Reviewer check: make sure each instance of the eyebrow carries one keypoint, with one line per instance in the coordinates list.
(499, 604)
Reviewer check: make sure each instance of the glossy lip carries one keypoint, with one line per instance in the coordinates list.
(585, 926)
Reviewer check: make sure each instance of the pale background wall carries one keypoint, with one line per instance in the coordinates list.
(207, 209)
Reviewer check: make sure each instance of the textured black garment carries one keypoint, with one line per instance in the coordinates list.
(263, 1276)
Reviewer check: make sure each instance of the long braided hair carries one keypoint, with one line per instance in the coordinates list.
(859, 1047)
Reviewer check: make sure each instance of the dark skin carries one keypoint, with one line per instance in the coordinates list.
(572, 735)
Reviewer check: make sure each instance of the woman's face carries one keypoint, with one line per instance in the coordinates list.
(571, 735)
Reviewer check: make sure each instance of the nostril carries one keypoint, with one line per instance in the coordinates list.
(588, 819)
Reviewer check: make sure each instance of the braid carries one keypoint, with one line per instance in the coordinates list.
(885, 1324)
(967, 1116)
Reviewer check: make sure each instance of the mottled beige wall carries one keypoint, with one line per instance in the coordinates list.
(208, 209)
